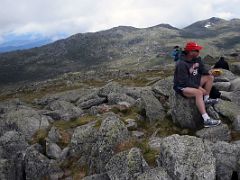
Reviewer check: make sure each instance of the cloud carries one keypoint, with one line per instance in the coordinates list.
(73, 16)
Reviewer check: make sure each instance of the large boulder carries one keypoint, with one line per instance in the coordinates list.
(111, 133)
(96, 146)
(70, 96)
(63, 110)
(230, 111)
(126, 165)
(37, 166)
(115, 98)
(164, 86)
(231, 96)
(7, 170)
(187, 157)
(92, 102)
(222, 86)
(135, 92)
(12, 150)
(152, 107)
(235, 68)
(84, 138)
(112, 87)
(184, 112)
(225, 76)
(10, 105)
(93, 94)
(27, 121)
(158, 173)
(235, 85)
(53, 151)
(214, 134)
(12, 143)
(227, 159)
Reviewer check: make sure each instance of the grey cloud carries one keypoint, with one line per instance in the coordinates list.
(73, 16)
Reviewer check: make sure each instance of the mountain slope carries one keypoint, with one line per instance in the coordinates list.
(119, 47)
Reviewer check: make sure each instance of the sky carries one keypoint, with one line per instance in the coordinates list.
(56, 18)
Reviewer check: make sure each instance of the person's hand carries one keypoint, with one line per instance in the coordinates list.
(203, 90)
(210, 72)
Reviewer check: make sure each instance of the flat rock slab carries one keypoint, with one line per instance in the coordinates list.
(214, 134)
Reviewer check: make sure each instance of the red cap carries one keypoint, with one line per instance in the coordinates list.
(191, 46)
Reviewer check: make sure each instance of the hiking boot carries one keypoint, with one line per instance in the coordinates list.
(211, 122)
(211, 101)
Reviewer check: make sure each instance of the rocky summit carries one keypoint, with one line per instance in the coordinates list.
(132, 127)
(117, 124)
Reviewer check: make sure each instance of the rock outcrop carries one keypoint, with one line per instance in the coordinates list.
(187, 157)
(184, 112)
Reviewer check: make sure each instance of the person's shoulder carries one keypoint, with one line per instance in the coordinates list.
(181, 63)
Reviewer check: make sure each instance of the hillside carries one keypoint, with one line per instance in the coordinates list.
(109, 111)
(121, 47)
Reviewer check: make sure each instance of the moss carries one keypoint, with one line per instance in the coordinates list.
(95, 83)
(148, 153)
(235, 135)
(39, 137)
(126, 145)
(61, 124)
(98, 124)
(71, 164)
(129, 113)
(79, 172)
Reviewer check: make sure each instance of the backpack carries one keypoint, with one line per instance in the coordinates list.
(214, 93)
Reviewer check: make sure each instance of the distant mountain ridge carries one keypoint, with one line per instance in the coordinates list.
(13, 42)
(119, 47)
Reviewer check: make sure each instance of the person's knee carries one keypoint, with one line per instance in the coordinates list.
(198, 93)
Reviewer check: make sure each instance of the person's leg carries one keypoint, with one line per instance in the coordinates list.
(207, 83)
(198, 94)
(193, 92)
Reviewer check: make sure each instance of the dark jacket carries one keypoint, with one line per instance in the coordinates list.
(188, 73)
(222, 64)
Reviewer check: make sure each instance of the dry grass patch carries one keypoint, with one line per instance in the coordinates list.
(61, 124)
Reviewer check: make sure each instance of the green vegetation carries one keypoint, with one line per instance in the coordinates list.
(74, 123)
(149, 154)
(39, 137)
(71, 166)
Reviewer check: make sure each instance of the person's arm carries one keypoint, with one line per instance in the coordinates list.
(183, 76)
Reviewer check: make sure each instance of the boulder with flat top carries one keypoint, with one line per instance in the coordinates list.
(184, 112)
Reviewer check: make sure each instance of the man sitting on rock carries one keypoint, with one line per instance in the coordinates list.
(191, 79)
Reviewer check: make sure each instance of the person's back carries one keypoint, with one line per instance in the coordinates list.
(222, 64)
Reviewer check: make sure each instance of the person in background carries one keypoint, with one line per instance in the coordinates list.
(176, 53)
(191, 79)
(221, 63)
